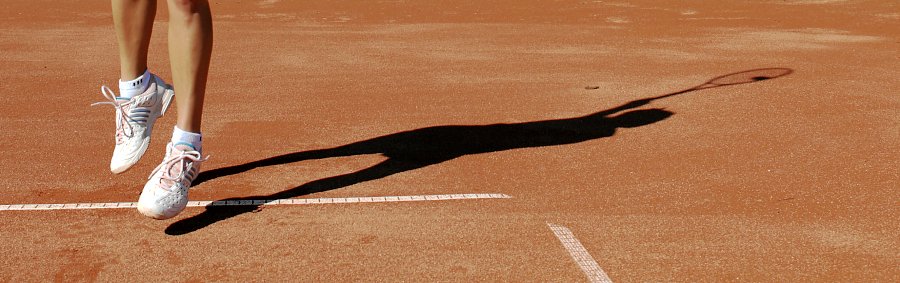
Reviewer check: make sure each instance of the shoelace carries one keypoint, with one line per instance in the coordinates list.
(183, 161)
(123, 119)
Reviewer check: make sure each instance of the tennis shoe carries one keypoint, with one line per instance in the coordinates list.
(166, 193)
(135, 118)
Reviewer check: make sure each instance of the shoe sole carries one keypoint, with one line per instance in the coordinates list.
(146, 211)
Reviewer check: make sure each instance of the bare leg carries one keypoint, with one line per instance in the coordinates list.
(134, 24)
(190, 46)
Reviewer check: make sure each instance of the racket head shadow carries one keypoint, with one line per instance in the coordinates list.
(749, 76)
(742, 77)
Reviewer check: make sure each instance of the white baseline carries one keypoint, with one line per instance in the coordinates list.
(298, 201)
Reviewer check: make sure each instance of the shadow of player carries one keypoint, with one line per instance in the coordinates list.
(423, 147)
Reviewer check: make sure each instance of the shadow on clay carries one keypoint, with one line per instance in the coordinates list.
(423, 147)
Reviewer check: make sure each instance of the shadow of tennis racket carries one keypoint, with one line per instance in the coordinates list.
(749, 76)
(743, 77)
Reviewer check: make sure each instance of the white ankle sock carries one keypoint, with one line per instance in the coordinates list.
(129, 89)
(180, 136)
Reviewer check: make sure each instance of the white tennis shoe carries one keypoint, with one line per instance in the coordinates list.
(135, 118)
(166, 193)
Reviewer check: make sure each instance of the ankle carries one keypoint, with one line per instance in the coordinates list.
(195, 140)
(135, 86)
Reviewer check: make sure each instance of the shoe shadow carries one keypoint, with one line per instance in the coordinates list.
(414, 149)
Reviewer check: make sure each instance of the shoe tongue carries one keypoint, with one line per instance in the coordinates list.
(176, 169)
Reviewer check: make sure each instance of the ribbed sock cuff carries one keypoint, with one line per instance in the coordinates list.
(132, 88)
(182, 136)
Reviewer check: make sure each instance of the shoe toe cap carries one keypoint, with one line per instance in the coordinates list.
(160, 204)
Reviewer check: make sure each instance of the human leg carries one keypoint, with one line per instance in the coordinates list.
(143, 97)
(133, 20)
(190, 47)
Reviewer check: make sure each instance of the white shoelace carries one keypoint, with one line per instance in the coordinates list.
(123, 119)
(183, 161)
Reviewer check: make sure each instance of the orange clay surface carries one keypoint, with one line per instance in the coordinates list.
(793, 178)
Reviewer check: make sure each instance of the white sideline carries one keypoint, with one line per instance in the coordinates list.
(579, 254)
(299, 201)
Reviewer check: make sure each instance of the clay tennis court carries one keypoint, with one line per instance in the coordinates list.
(514, 141)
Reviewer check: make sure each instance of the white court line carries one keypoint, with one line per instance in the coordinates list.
(579, 254)
(298, 201)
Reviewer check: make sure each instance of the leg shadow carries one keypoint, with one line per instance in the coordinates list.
(419, 148)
